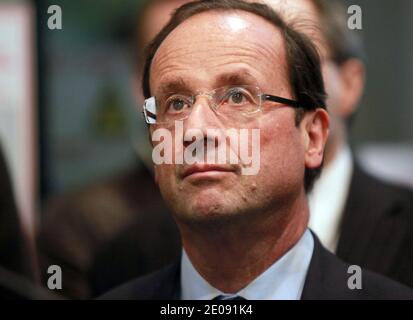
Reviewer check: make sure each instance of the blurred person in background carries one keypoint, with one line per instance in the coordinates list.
(362, 219)
(118, 229)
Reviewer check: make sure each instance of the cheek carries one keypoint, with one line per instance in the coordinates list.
(165, 177)
(282, 151)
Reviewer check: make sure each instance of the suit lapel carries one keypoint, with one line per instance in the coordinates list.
(160, 285)
(169, 283)
(326, 276)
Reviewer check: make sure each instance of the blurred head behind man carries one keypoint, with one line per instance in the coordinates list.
(152, 17)
(325, 22)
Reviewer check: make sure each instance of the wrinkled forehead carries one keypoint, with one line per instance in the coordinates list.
(221, 29)
(216, 39)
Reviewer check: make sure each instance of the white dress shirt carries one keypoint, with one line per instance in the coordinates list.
(284, 280)
(328, 198)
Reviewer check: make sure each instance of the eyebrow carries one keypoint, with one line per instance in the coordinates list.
(176, 85)
(238, 77)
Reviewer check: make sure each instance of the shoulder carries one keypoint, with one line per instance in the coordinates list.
(379, 287)
(330, 278)
(373, 286)
(159, 285)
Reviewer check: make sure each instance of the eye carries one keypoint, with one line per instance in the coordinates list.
(236, 96)
(176, 105)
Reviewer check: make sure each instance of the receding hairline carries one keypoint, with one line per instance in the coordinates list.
(276, 30)
(221, 11)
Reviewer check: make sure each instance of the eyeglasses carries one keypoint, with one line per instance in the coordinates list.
(232, 103)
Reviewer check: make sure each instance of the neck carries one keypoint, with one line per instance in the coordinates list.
(231, 255)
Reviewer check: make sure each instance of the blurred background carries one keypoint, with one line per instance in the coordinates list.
(69, 121)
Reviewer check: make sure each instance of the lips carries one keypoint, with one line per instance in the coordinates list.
(194, 169)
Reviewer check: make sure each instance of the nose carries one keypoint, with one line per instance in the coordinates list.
(201, 118)
(201, 114)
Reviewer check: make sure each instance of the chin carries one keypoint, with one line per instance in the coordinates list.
(206, 210)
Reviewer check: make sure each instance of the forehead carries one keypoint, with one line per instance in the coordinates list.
(211, 43)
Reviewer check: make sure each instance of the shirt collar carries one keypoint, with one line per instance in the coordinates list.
(283, 280)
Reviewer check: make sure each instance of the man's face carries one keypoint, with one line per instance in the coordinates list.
(216, 49)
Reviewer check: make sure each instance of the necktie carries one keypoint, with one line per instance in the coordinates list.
(228, 297)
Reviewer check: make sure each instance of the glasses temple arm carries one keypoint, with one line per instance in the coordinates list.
(289, 102)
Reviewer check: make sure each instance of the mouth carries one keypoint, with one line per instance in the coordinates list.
(207, 171)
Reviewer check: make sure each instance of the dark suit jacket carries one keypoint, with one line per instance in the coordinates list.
(377, 227)
(327, 278)
(107, 233)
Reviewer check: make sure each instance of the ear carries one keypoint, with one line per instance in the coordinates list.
(352, 74)
(315, 127)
